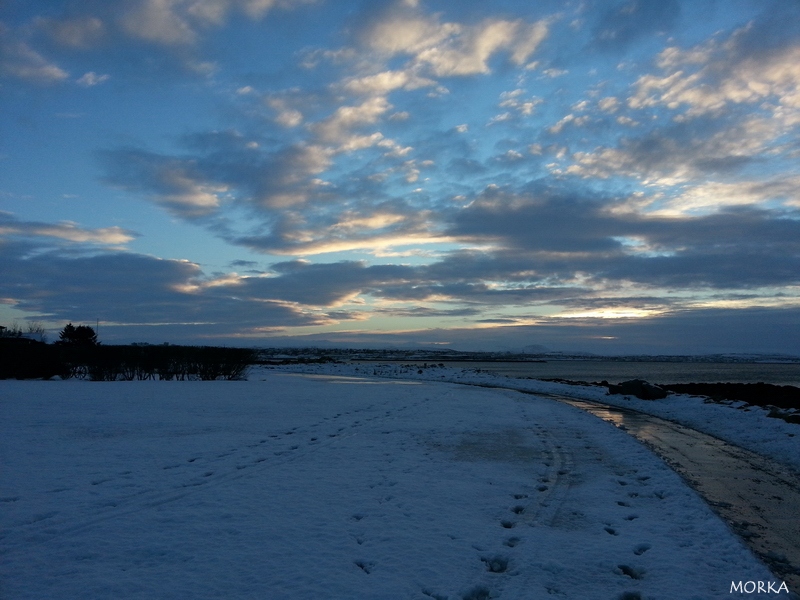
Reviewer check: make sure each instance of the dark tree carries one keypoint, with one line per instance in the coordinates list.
(82, 335)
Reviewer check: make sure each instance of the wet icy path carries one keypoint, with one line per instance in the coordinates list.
(323, 487)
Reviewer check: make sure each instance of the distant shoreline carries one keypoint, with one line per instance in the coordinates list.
(616, 371)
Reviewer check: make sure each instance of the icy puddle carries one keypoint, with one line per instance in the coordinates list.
(757, 497)
(293, 488)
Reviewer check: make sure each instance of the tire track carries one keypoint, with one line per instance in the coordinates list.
(755, 496)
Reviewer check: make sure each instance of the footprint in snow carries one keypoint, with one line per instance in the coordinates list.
(631, 572)
(365, 566)
(479, 592)
(495, 564)
(508, 524)
(641, 549)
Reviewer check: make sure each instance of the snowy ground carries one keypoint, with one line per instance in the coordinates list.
(320, 487)
(735, 422)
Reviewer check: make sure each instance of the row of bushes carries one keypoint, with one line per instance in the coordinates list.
(28, 359)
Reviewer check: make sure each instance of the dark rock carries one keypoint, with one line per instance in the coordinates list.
(639, 388)
(760, 394)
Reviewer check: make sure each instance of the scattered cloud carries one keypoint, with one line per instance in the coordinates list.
(453, 49)
(92, 79)
(516, 173)
(80, 32)
(66, 231)
(629, 21)
(19, 60)
(177, 184)
(180, 22)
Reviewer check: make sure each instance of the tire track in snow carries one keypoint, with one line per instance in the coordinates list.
(756, 497)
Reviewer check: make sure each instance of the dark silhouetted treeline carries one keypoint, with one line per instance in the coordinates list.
(22, 358)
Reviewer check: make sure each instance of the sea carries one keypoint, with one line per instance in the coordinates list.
(654, 372)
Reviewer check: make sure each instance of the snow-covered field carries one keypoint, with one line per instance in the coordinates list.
(734, 422)
(321, 487)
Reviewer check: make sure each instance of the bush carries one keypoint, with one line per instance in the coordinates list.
(22, 358)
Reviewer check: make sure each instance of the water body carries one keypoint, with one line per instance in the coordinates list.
(655, 372)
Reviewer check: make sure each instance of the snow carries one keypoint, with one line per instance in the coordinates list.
(292, 486)
(736, 422)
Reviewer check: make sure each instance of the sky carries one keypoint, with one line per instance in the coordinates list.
(599, 176)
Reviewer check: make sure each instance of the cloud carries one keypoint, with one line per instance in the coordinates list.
(303, 188)
(608, 104)
(453, 49)
(515, 100)
(744, 69)
(693, 331)
(569, 239)
(19, 60)
(66, 231)
(427, 312)
(680, 152)
(288, 114)
(708, 197)
(78, 32)
(180, 22)
(146, 298)
(177, 184)
(337, 129)
(631, 20)
(293, 210)
(92, 79)
(126, 289)
(159, 21)
(335, 228)
(469, 52)
(385, 82)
